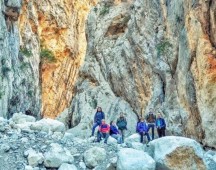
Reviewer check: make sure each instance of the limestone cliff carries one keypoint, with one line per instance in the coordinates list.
(144, 54)
(19, 75)
(59, 27)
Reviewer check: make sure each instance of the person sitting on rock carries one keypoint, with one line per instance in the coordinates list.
(142, 129)
(114, 132)
(99, 115)
(160, 125)
(122, 125)
(151, 118)
(103, 131)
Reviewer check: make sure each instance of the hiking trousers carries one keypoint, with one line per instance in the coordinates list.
(151, 126)
(96, 124)
(142, 134)
(102, 135)
(122, 134)
(161, 132)
(118, 137)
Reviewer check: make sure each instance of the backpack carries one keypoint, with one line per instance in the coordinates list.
(122, 124)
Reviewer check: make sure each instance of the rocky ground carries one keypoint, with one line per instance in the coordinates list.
(46, 145)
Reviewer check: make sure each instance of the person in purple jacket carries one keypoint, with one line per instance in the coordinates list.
(114, 132)
(142, 129)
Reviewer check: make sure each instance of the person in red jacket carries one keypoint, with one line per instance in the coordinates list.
(103, 132)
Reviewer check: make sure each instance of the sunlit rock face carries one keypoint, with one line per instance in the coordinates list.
(57, 26)
(19, 73)
(145, 54)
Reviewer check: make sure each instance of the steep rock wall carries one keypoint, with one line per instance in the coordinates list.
(19, 75)
(144, 54)
(56, 29)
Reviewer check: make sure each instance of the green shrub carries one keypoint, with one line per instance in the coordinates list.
(5, 70)
(26, 52)
(47, 56)
(104, 10)
(163, 47)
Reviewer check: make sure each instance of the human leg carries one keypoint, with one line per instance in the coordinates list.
(123, 135)
(106, 137)
(141, 137)
(163, 131)
(99, 135)
(153, 131)
(94, 127)
(159, 132)
(148, 137)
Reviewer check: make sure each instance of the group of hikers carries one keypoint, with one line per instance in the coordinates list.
(117, 130)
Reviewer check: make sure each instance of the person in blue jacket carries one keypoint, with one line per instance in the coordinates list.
(114, 132)
(99, 115)
(160, 125)
(142, 129)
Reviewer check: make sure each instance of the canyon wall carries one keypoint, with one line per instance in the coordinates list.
(59, 26)
(19, 69)
(145, 54)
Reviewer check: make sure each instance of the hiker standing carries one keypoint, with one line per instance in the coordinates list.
(103, 132)
(99, 115)
(160, 125)
(115, 133)
(139, 119)
(151, 118)
(122, 125)
(142, 129)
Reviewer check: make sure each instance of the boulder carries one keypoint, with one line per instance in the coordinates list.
(136, 145)
(131, 159)
(57, 156)
(210, 160)
(111, 141)
(66, 166)
(27, 167)
(133, 138)
(34, 158)
(94, 156)
(174, 153)
(47, 125)
(20, 118)
(113, 164)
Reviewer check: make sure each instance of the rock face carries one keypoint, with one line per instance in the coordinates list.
(177, 153)
(56, 29)
(131, 159)
(19, 70)
(144, 54)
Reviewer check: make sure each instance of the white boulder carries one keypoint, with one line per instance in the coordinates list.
(133, 138)
(20, 118)
(131, 159)
(47, 125)
(94, 156)
(34, 158)
(57, 156)
(176, 153)
(66, 166)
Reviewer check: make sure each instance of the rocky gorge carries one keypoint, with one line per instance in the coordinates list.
(27, 144)
(62, 59)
